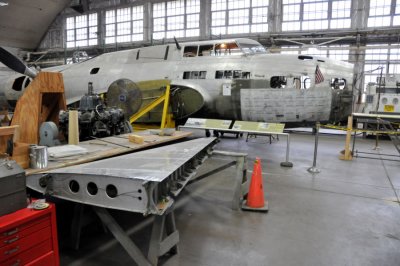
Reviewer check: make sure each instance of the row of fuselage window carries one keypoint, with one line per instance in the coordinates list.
(222, 74)
(277, 82)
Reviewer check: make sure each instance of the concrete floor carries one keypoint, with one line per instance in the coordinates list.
(348, 214)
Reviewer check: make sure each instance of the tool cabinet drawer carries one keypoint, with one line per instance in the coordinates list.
(25, 243)
(31, 255)
(29, 237)
(23, 230)
(45, 260)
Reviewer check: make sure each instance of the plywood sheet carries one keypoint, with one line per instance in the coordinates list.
(41, 102)
(111, 146)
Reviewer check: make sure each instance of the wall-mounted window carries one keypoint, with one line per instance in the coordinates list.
(396, 17)
(124, 25)
(178, 19)
(394, 61)
(381, 56)
(315, 52)
(290, 49)
(339, 52)
(81, 30)
(384, 13)
(239, 16)
(336, 52)
(316, 14)
(376, 57)
(340, 15)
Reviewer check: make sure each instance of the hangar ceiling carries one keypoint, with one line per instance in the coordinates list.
(24, 23)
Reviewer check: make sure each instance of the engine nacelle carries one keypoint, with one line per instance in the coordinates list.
(11, 89)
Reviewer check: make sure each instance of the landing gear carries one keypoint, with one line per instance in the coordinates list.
(208, 134)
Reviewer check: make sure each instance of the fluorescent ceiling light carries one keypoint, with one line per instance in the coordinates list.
(3, 4)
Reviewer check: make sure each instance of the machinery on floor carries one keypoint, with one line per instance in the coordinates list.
(95, 118)
(383, 97)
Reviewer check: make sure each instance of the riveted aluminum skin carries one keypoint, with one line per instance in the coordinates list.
(143, 182)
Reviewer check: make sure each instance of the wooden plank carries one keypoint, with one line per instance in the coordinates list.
(73, 127)
(346, 154)
(6, 134)
(29, 114)
(115, 145)
(21, 154)
(8, 131)
(136, 139)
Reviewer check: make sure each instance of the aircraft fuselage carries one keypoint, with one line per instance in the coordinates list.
(234, 81)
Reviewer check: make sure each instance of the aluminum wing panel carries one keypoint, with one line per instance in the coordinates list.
(143, 182)
(150, 165)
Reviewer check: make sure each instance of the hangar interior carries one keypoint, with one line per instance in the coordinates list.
(330, 188)
(363, 33)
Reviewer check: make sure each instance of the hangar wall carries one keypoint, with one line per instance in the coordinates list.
(282, 32)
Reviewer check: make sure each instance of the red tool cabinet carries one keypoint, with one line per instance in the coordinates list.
(29, 237)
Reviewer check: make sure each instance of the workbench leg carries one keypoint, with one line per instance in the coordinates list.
(121, 236)
(164, 237)
(81, 218)
(76, 226)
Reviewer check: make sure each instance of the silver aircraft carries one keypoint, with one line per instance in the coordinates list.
(230, 79)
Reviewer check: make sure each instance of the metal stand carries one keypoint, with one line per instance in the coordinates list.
(241, 186)
(163, 225)
(207, 130)
(164, 237)
(313, 169)
(241, 182)
(287, 163)
(254, 135)
(76, 226)
(82, 217)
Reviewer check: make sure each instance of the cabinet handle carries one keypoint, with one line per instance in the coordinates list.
(9, 241)
(9, 233)
(11, 251)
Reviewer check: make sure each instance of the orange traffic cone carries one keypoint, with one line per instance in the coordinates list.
(255, 198)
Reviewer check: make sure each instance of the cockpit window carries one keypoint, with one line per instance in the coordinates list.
(206, 50)
(190, 51)
(226, 49)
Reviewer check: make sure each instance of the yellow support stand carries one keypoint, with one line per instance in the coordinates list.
(346, 154)
(167, 118)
